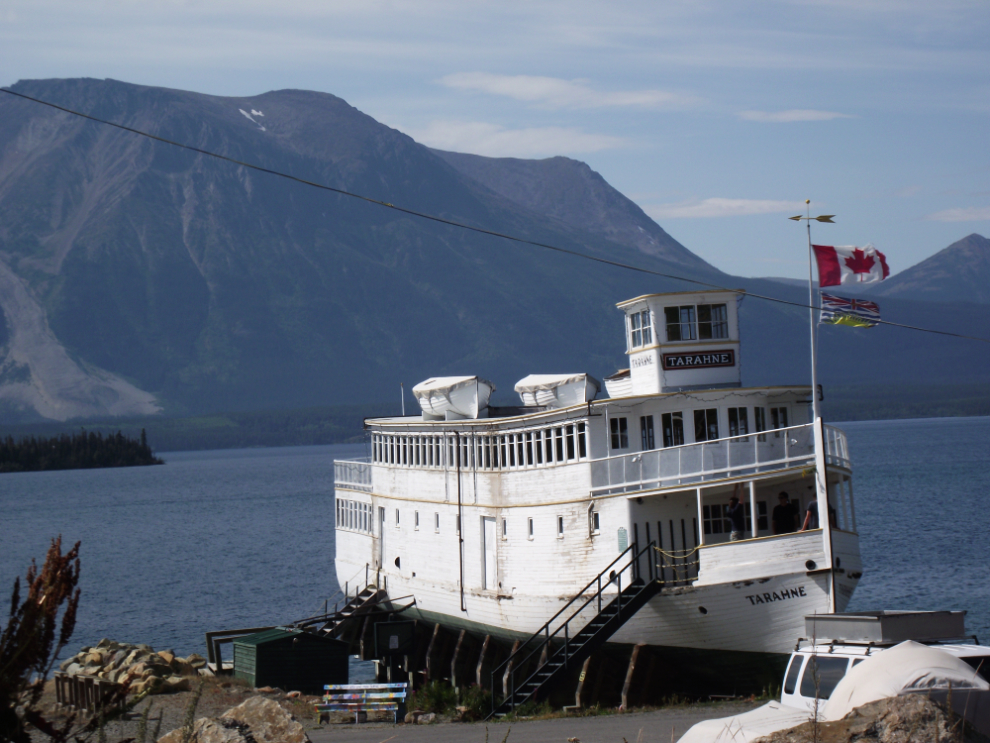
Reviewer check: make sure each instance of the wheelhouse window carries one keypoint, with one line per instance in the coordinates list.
(697, 322)
(673, 429)
(647, 435)
(680, 323)
(738, 422)
(713, 321)
(640, 329)
(706, 424)
(620, 433)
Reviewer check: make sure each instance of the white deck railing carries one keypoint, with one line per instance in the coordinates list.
(352, 474)
(737, 456)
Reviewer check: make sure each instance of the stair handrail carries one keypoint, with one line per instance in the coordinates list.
(544, 631)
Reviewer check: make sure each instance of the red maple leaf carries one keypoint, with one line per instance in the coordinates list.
(860, 262)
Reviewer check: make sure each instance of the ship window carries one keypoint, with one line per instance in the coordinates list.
(673, 429)
(519, 449)
(760, 422)
(560, 444)
(505, 529)
(646, 432)
(680, 323)
(790, 681)
(620, 433)
(416, 519)
(396, 518)
(829, 672)
(582, 442)
(778, 419)
(596, 522)
(548, 444)
(538, 445)
(714, 518)
(761, 516)
(529, 447)
(457, 523)
(738, 422)
(570, 442)
(713, 321)
(640, 329)
(706, 424)
(560, 527)
(436, 522)
(530, 527)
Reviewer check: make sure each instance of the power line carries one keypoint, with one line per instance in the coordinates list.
(460, 225)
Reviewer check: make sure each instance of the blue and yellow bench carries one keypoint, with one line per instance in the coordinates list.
(358, 698)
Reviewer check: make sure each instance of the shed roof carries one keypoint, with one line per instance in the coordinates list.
(268, 635)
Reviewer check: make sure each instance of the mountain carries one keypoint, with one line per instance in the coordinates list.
(959, 273)
(170, 278)
(571, 193)
(136, 276)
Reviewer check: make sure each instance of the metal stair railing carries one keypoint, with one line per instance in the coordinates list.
(543, 636)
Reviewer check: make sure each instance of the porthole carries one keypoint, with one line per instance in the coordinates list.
(398, 562)
(703, 610)
(811, 565)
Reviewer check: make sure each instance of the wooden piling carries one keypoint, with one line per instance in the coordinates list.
(630, 671)
(478, 676)
(454, 658)
(508, 669)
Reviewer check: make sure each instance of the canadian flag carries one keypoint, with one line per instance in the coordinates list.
(847, 264)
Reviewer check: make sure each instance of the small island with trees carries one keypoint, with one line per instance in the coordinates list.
(84, 450)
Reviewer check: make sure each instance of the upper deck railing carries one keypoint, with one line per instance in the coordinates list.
(737, 456)
(352, 474)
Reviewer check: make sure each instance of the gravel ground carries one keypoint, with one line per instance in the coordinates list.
(219, 695)
(654, 726)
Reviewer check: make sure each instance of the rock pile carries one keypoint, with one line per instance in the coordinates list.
(907, 719)
(256, 720)
(139, 665)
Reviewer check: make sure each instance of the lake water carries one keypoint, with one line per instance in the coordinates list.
(240, 538)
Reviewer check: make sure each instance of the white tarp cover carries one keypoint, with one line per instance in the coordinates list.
(748, 726)
(905, 668)
(536, 382)
(445, 385)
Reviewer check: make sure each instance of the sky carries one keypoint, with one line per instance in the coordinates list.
(718, 118)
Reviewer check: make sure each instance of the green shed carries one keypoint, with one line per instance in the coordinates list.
(290, 659)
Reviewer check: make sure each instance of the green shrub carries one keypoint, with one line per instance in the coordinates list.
(436, 696)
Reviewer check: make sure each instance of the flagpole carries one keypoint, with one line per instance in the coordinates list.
(811, 320)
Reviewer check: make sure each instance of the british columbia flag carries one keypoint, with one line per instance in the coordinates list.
(855, 312)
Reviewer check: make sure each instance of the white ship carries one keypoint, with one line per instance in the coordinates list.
(496, 519)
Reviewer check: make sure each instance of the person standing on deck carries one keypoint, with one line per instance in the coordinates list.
(785, 515)
(737, 517)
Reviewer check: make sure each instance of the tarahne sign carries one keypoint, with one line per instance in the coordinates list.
(699, 360)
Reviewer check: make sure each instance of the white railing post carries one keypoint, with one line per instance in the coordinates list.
(752, 509)
(821, 493)
(701, 520)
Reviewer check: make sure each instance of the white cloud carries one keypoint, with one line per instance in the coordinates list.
(707, 208)
(492, 140)
(554, 92)
(969, 214)
(792, 115)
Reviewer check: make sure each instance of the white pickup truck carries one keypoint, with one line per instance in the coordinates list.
(837, 643)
